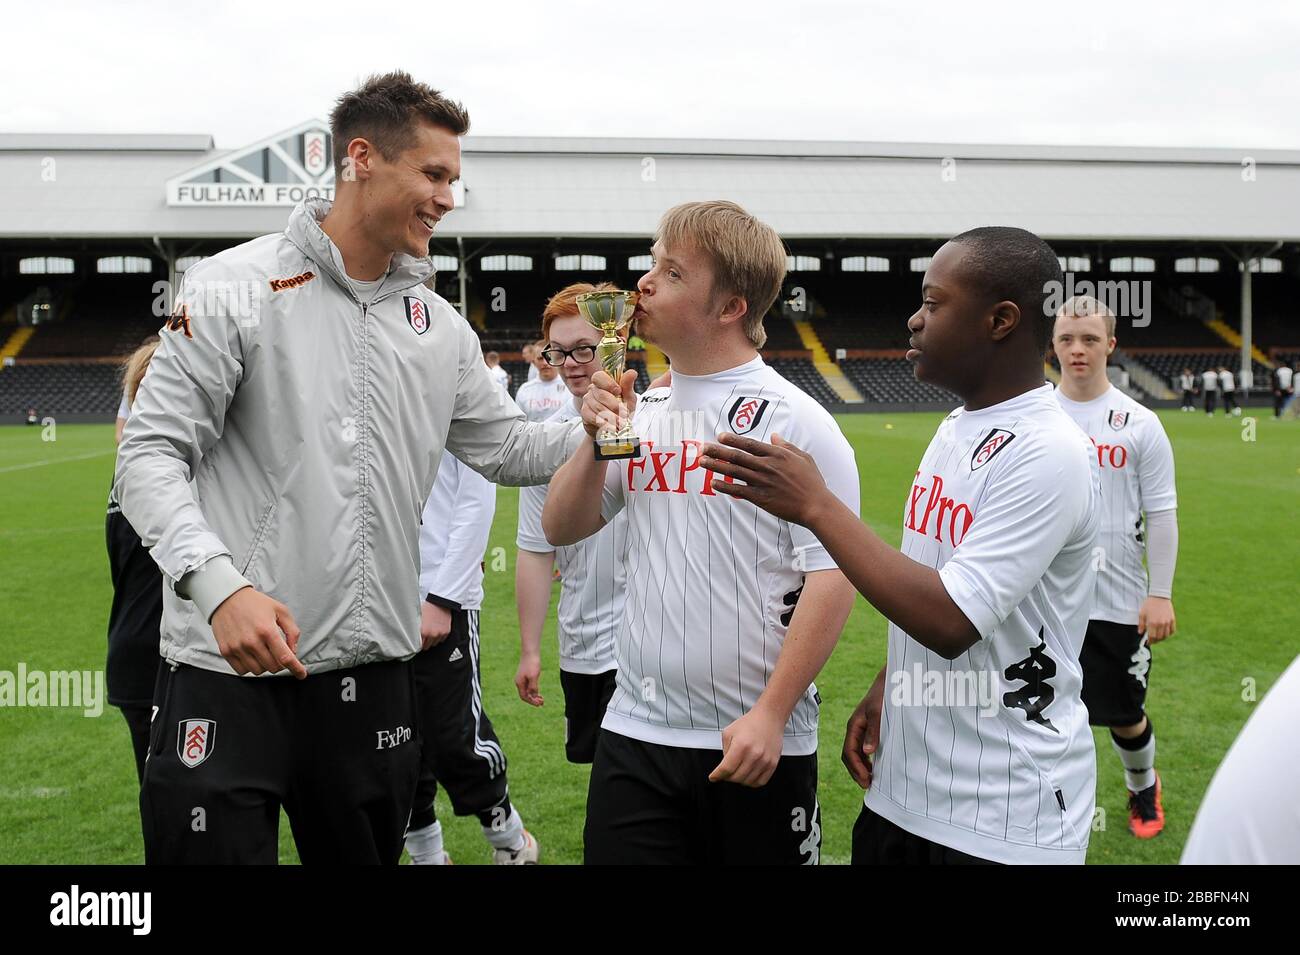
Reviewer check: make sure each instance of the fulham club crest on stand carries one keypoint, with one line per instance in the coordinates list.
(1117, 419)
(194, 741)
(417, 313)
(993, 442)
(745, 414)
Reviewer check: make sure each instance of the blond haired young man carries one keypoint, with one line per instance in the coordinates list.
(1131, 607)
(707, 752)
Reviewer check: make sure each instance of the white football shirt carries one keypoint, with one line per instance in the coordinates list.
(592, 579)
(1284, 377)
(990, 753)
(712, 581)
(1226, 381)
(1186, 382)
(540, 399)
(1210, 380)
(1137, 478)
(501, 376)
(454, 531)
(1250, 815)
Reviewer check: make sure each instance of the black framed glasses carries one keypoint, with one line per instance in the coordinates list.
(582, 354)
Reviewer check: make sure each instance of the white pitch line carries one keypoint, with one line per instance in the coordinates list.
(39, 464)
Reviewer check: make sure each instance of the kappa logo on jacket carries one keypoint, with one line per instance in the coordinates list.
(194, 740)
(417, 313)
(296, 281)
(180, 320)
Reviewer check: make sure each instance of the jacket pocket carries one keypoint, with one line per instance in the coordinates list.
(259, 534)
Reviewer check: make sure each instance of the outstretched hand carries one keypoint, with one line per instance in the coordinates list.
(778, 477)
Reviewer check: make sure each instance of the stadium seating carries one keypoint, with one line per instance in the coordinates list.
(1169, 365)
(63, 388)
(892, 380)
(802, 373)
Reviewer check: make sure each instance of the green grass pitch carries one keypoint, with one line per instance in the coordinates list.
(67, 782)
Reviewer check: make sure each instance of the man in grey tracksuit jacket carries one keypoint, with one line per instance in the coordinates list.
(310, 414)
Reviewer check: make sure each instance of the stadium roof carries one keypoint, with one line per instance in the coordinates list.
(76, 186)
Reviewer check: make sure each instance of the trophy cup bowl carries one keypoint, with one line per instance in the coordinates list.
(611, 312)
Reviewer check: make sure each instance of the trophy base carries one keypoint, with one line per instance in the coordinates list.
(614, 449)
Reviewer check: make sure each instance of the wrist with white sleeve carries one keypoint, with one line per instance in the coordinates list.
(209, 584)
(1162, 552)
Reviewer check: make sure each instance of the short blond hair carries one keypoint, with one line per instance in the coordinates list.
(1083, 306)
(748, 257)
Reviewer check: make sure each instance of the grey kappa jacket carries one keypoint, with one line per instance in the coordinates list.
(311, 427)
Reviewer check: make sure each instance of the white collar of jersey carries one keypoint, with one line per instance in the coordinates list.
(1031, 397)
(1104, 396)
(723, 377)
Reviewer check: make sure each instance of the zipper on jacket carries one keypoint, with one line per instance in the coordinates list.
(363, 465)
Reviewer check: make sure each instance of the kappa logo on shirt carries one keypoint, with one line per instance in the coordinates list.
(295, 281)
(1117, 419)
(417, 314)
(746, 413)
(1036, 672)
(993, 442)
(194, 740)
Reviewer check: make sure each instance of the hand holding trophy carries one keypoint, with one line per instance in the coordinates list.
(611, 312)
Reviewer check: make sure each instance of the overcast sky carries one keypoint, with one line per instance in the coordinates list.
(1125, 73)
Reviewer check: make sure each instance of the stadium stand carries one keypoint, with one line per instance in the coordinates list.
(891, 380)
(1169, 364)
(61, 388)
(801, 372)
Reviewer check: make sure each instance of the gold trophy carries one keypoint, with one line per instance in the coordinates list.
(611, 312)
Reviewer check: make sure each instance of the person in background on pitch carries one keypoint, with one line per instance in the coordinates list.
(1283, 387)
(136, 612)
(1187, 385)
(458, 746)
(1132, 606)
(530, 352)
(1210, 388)
(1228, 386)
(592, 572)
(541, 396)
(995, 577)
(309, 384)
(499, 374)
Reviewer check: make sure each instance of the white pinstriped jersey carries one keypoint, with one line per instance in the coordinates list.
(990, 753)
(712, 581)
(538, 399)
(591, 578)
(1137, 478)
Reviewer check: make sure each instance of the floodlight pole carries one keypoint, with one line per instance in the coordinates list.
(461, 277)
(1246, 321)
